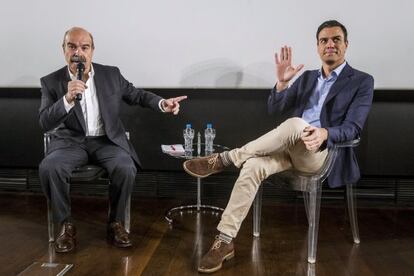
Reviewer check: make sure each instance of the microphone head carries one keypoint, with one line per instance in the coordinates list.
(80, 66)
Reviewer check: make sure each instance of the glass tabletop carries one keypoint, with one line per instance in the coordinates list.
(200, 153)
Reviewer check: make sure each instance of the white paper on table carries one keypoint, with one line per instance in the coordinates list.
(175, 150)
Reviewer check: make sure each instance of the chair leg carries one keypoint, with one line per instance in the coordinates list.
(351, 200)
(314, 209)
(128, 215)
(50, 224)
(310, 270)
(51, 253)
(257, 210)
(306, 202)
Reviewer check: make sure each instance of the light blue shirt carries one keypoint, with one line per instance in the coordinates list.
(312, 112)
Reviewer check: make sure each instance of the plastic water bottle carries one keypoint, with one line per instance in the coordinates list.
(188, 134)
(209, 135)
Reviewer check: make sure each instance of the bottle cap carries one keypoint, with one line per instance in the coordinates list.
(188, 126)
(209, 125)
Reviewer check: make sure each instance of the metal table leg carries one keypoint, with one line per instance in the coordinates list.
(189, 208)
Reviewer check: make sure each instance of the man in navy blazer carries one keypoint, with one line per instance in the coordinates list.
(342, 115)
(320, 108)
(82, 108)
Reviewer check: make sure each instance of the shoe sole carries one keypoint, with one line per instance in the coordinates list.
(214, 269)
(194, 174)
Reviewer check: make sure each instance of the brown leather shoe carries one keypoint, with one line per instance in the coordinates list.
(66, 240)
(219, 252)
(204, 166)
(118, 236)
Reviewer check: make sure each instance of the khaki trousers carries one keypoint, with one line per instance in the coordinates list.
(276, 151)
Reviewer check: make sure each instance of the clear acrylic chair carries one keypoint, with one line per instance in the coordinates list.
(311, 186)
(86, 173)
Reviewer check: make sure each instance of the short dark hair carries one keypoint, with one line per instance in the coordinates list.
(330, 24)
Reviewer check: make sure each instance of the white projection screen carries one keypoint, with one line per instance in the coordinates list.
(205, 43)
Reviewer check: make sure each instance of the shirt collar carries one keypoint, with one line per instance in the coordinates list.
(335, 73)
(91, 73)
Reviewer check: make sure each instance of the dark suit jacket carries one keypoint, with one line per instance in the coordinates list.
(343, 114)
(111, 89)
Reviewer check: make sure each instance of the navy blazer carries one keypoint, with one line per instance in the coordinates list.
(343, 114)
(111, 89)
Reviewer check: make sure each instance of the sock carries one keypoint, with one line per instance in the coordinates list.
(225, 238)
(225, 158)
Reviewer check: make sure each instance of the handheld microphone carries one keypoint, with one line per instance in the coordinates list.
(80, 68)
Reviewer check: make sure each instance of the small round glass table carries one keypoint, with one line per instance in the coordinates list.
(199, 206)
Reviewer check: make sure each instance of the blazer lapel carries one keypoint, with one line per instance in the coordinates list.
(101, 91)
(64, 79)
(79, 113)
(310, 86)
(340, 83)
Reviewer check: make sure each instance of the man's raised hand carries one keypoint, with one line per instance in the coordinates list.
(284, 69)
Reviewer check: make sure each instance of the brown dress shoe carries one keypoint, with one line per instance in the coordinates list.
(219, 252)
(66, 240)
(204, 166)
(118, 236)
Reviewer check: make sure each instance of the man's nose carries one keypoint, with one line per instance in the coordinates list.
(330, 43)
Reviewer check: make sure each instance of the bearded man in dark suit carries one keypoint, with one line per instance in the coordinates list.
(90, 129)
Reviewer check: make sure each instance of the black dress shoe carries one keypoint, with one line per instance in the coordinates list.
(66, 241)
(118, 236)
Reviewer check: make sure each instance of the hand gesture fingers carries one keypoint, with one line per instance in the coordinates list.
(172, 105)
(312, 146)
(277, 61)
(284, 53)
(179, 99)
(310, 137)
(298, 68)
(308, 133)
(284, 69)
(176, 109)
(314, 137)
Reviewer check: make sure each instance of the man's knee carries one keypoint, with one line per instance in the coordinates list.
(51, 174)
(125, 166)
(49, 166)
(296, 123)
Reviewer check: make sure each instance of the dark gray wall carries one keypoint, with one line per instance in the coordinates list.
(237, 115)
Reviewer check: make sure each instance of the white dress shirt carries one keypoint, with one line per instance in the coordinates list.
(90, 107)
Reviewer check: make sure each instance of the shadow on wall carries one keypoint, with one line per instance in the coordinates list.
(224, 73)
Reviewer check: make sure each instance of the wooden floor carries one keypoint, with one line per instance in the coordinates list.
(387, 240)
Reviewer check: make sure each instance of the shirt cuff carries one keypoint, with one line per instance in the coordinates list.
(68, 106)
(160, 105)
